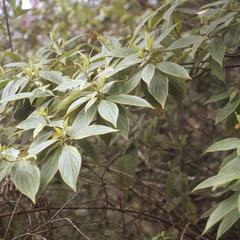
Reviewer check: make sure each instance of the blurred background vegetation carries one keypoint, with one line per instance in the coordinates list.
(154, 171)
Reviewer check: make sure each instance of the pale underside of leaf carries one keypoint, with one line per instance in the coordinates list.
(69, 165)
(26, 177)
(108, 111)
(225, 144)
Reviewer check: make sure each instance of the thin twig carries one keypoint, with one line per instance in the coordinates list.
(58, 211)
(123, 220)
(12, 215)
(184, 231)
(189, 232)
(7, 24)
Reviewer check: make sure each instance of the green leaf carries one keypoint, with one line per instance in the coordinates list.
(13, 86)
(70, 84)
(228, 158)
(233, 165)
(10, 154)
(17, 64)
(122, 65)
(213, 4)
(159, 88)
(92, 130)
(65, 102)
(184, 42)
(217, 50)
(76, 104)
(196, 46)
(4, 82)
(169, 13)
(49, 168)
(90, 103)
(10, 90)
(13, 56)
(32, 122)
(216, 69)
(164, 34)
(227, 110)
(217, 180)
(144, 20)
(26, 177)
(37, 146)
(108, 111)
(123, 122)
(109, 86)
(173, 69)
(129, 100)
(69, 165)
(218, 97)
(225, 144)
(83, 118)
(222, 210)
(5, 168)
(52, 76)
(227, 222)
(177, 88)
(129, 85)
(16, 97)
(122, 52)
(147, 73)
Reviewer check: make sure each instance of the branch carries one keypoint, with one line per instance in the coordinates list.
(12, 215)
(7, 24)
